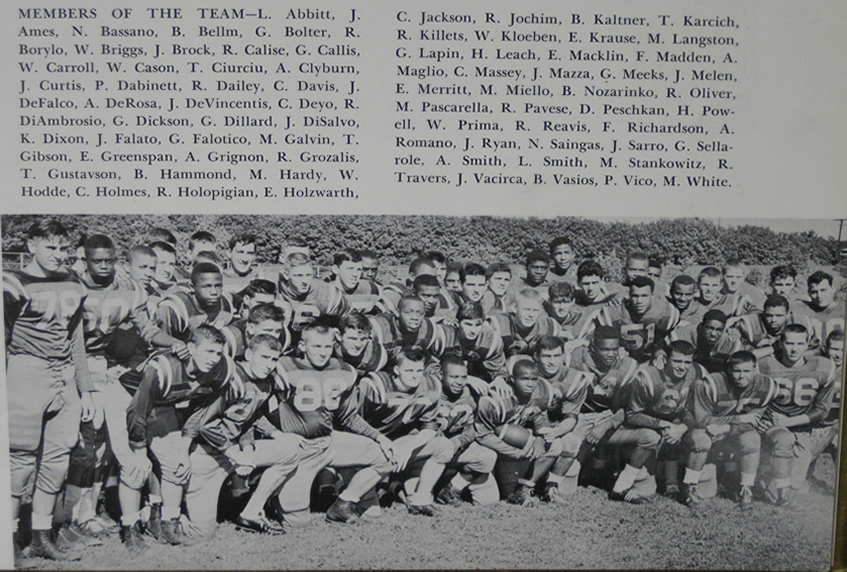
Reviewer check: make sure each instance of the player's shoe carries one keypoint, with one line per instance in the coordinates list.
(154, 521)
(689, 495)
(133, 539)
(71, 536)
(522, 496)
(172, 532)
(342, 511)
(422, 509)
(99, 526)
(22, 559)
(260, 525)
(449, 495)
(552, 495)
(745, 498)
(671, 491)
(42, 546)
(629, 496)
(788, 500)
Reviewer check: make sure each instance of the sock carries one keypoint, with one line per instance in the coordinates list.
(154, 499)
(42, 521)
(691, 477)
(459, 482)
(748, 479)
(170, 513)
(554, 480)
(526, 483)
(626, 479)
(130, 519)
(782, 483)
(346, 496)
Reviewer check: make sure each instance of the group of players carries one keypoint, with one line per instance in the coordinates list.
(462, 383)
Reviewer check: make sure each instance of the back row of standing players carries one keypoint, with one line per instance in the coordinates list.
(464, 381)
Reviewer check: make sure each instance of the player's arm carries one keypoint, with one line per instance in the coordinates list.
(149, 331)
(167, 319)
(495, 360)
(639, 400)
(465, 438)
(570, 405)
(484, 425)
(13, 304)
(138, 412)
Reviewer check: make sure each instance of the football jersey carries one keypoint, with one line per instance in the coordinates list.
(715, 400)
(491, 302)
(834, 414)
(41, 314)
(180, 313)
(388, 332)
(236, 339)
(372, 358)
(484, 355)
(494, 410)
(573, 323)
(307, 401)
(571, 387)
(823, 321)
(392, 293)
(805, 388)
(322, 299)
(395, 412)
(714, 358)
(608, 292)
(364, 297)
(456, 414)
(608, 390)
(234, 282)
(655, 396)
(518, 340)
(642, 335)
(753, 333)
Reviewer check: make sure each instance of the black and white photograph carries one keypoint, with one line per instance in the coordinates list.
(404, 392)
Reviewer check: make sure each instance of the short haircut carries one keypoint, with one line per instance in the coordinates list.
(266, 340)
(590, 268)
(776, 301)
(794, 329)
(367, 253)
(406, 300)
(782, 272)
(683, 280)
(245, 239)
(436, 256)
(739, 357)
(818, 277)
(470, 311)
(710, 271)
(163, 247)
(655, 262)
(425, 280)
(454, 266)
(204, 268)
(139, 250)
(159, 234)
(45, 228)
(497, 267)
(346, 255)
(317, 327)
(641, 282)
(471, 269)
(638, 255)
(606, 333)
(681, 347)
(835, 335)
(263, 312)
(201, 236)
(530, 294)
(207, 256)
(549, 343)
(257, 286)
(524, 365)
(207, 333)
(559, 290)
(409, 353)
(559, 241)
(355, 320)
(296, 259)
(714, 315)
(98, 241)
(732, 263)
(418, 263)
(537, 255)
(455, 360)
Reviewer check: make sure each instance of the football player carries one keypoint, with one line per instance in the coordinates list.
(759, 331)
(201, 241)
(370, 266)
(410, 327)
(825, 313)
(268, 319)
(181, 312)
(356, 346)
(361, 294)
(682, 292)
(164, 280)
(537, 265)
(636, 264)
(593, 290)
(473, 283)
(734, 274)
(438, 303)
(563, 255)
(783, 281)
(303, 297)
(451, 279)
(241, 269)
(561, 306)
(525, 323)
(393, 292)
(498, 277)
(712, 345)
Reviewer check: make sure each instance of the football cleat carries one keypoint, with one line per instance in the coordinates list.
(261, 525)
(689, 495)
(342, 511)
(22, 559)
(629, 496)
(154, 522)
(133, 539)
(449, 495)
(783, 497)
(552, 495)
(70, 536)
(42, 546)
(172, 532)
(422, 509)
(671, 491)
(522, 496)
(745, 498)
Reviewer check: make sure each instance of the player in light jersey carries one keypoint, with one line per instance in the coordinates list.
(712, 345)
(727, 407)
(822, 309)
(312, 400)
(304, 298)
(48, 383)
(792, 423)
(361, 294)
(759, 331)
(734, 273)
(181, 312)
(403, 406)
(356, 347)
(410, 327)
(593, 289)
(524, 324)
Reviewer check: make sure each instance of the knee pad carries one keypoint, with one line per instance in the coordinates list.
(750, 442)
(782, 441)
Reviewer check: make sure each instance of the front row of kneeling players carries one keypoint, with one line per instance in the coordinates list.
(427, 428)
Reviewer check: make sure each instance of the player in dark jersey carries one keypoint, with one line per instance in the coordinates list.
(182, 312)
(727, 407)
(266, 319)
(304, 298)
(312, 400)
(562, 255)
(392, 293)
(712, 345)
(361, 294)
(759, 331)
(794, 433)
(438, 303)
(526, 322)
(403, 406)
(682, 291)
(498, 277)
(410, 327)
(356, 345)
(370, 266)
(48, 383)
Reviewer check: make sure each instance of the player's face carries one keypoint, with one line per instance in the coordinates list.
(655, 273)
(636, 268)
(536, 272)
(142, 268)
(50, 253)
(741, 374)
(409, 372)
(783, 286)
(732, 278)
(349, 273)
(262, 360)
(527, 311)
(440, 271)
(165, 264)
(473, 288)
(563, 256)
(592, 286)
(354, 341)
(202, 246)
(711, 331)
(640, 298)
(208, 288)
(775, 318)
(300, 278)
(561, 306)
(317, 347)
(682, 295)
(551, 361)
(370, 267)
(679, 365)
(499, 282)
(412, 315)
(794, 344)
(470, 328)
(429, 295)
(709, 287)
(100, 263)
(206, 354)
(605, 352)
(452, 282)
(526, 381)
(242, 256)
(455, 379)
(835, 351)
(821, 294)
(269, 327)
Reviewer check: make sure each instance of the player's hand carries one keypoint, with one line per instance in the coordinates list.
(675, 432)
(547, 434)
(244, 459)
(180, 350)
(450, 320)
(183, 466)
(765, 423)
(717, 431)
(598, 432)
(88, 407)
(501, 388)
(535, 448)
(660, 360)
(779, 420)
(113, 374)
(138, 470)
(387, 446)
